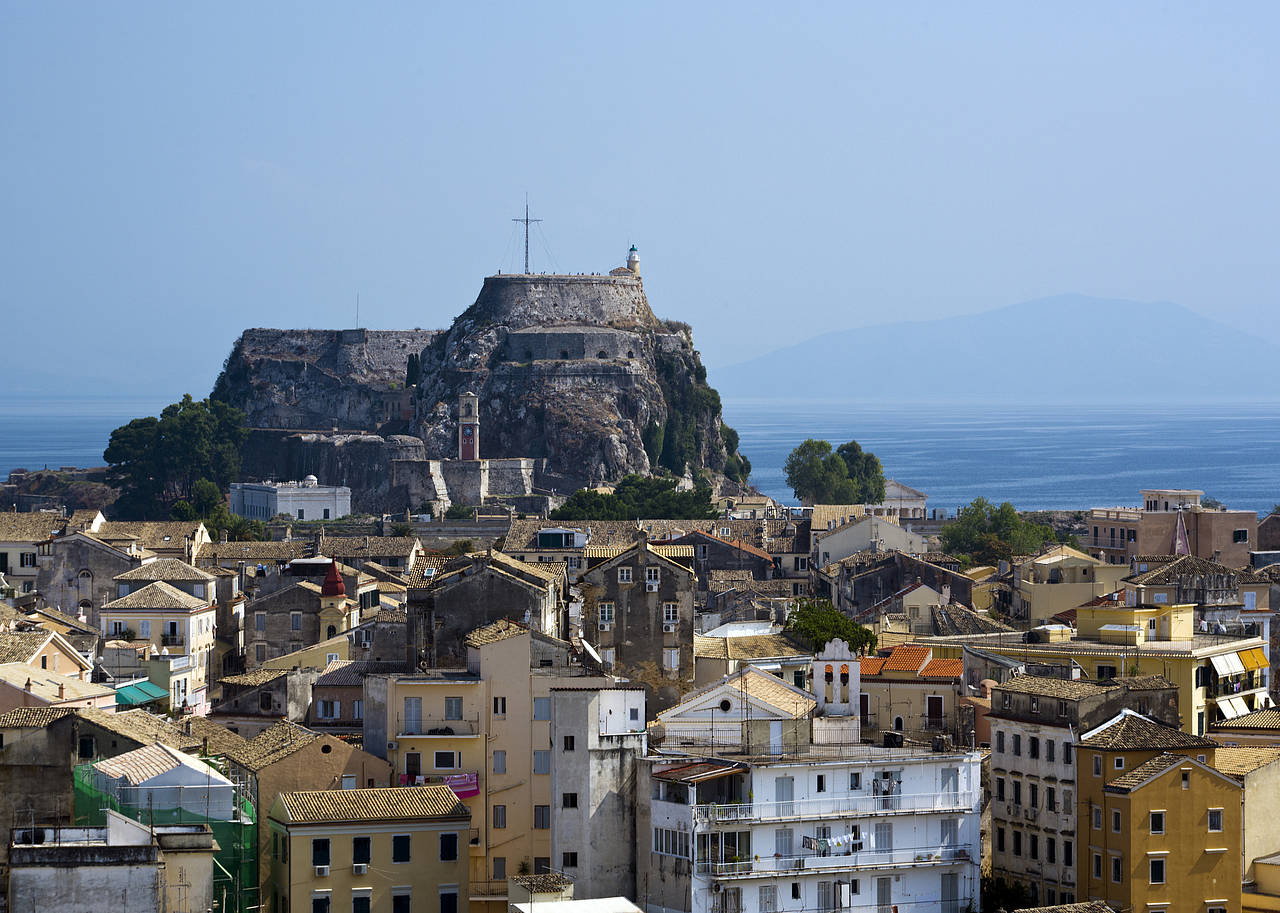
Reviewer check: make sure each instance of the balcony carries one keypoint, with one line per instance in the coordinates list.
(438, 726)
(905, 857)
(836, 807)
(488, 890)
(1234, 687)
(172, 640)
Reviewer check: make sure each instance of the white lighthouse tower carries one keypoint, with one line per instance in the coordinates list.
(633, 261)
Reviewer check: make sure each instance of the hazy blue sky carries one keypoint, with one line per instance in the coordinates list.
(171, 173)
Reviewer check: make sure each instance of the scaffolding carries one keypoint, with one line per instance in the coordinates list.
(235, 864)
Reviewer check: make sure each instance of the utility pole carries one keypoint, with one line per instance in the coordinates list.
(526, 220)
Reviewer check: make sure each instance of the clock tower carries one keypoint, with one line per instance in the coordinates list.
(468, 426)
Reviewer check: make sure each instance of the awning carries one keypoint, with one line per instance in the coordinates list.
(1227, 664)
(140, 693)
(1232, 707)
(1253, 659)
(696, 773)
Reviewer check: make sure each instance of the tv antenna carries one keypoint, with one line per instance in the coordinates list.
(526, 220)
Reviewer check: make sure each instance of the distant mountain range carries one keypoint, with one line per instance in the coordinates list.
(1064, 349)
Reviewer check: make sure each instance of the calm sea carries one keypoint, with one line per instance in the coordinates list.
(1054, 457)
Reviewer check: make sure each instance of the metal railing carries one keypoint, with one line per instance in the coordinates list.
(904, 857)
(1241, 686)
(490, 889)
(424, 725)
(838, 806)
(172, 640)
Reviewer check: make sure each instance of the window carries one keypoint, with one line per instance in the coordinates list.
(1000, 839)
(570, 861)
(499, 761)
(624, 575)
(1157, 822)
(446, 760)
(295, 621)
(499, 868)
(1050, 850)
(671, 659)
(1017, 843)
(329, 710)
(1097, 818)
(1035, 795)
(542, 762)
(569, 800)
(783, 842)
(1215, 820)
(360, 850)
(608, 655)
(795, 890)
(320, 899)
(499, 706)
(1000, 788)
(652, 575)
(604, 611)
(1066, 753)
(357, 710)
(1115, 820)
(259, 621)
(260, 652)
(1157, 870)
(320, 851)
(1017, 792)
(1048, 750)
(568, 743)
(1062, 708)
(400, 848)
(670, 613)
(453, 708)
(302, 514)
(1068, 856)
(855, 780)
(1119, 762)
(448, 847)
(499, 816)
(1033, 747)
(1237, 535)
(448, 901)
(542, 708)
(1097, 866)
(542, 817)
(668, 842)
(822, 783)
(768, 898)
(28, 559)
(1097, 765)
(1117, 869)
(999, 742)
(1034, 846)
(1186, 779)
(1105, 672)
(1017, 745)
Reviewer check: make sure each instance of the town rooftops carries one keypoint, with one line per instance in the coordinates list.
(254, 679)
(50, 686)
(34, 527)
(906, 658)
(1131, 731)
(165, 569)
(336, 806)
(502, 629)
(345, 673)
(165, 534)
(22, 646)
(666, 550)
(159, 595)
(943, 668)
(217, 738)
(1267, 719)
(1045, 686)
(1241, 761)
(276, 742)
(697, 771)
(758, 646)
(254, 552)
(772, 690)
(358, 546)
(870, 665)
(1087, 906)
(142, 764)
(1148, 771)
(137, 725)
(1176, 569)
(543, 882)
(32, 717)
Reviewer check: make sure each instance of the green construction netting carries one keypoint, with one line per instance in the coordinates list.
(235, 878)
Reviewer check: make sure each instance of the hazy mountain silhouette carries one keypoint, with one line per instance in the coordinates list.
(1067, 348)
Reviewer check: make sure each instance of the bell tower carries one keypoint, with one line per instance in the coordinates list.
(468, 426)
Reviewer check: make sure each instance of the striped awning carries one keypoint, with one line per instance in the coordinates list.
(1232, 707)
(1227, 664)
(1253, 659)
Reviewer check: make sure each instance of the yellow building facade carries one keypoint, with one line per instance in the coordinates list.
(391, 850)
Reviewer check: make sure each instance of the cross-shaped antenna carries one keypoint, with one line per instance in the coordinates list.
(526, 220)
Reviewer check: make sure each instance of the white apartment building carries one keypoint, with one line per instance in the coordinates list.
(305, 500)
(801, 820)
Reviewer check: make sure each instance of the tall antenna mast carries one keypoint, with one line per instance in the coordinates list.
(526, 220)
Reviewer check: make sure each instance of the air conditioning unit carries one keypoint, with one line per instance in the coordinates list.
(322, 871)
(606, 626)
(392, 746)
(651, 587)
(360, 868)
(669, 629)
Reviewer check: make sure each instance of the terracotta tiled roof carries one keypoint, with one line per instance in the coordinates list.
(1133, 732)
(21, 646)
(1191, 566)
(906, 658)
(346, 673)
(220, 739)
(140, 726)
(943, 668)
(543, 882)
(253, 552)
(1046, 686)
(425, 569)
(32, 717)
(319, 806)
(1268, 719)
(502, 629)
(870, 665)
(1147, 771)
(357, 546)
(37, 527)
(755, 646)
(139, 765)
(273, 744)
(158, 595)
(253, 679)
(153, 535)
(1238, 762)
(165, 569)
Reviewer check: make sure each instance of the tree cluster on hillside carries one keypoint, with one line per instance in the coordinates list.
(157, 462)
(677, 443)
(983, 533)
(847, 475)
(208, 505)
(413, 371)
(814, 622)
(637, 497)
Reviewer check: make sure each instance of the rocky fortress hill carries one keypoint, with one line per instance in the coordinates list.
(546, 382)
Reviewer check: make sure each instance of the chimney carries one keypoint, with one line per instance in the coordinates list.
(223, 537)
(946, 594)
(366, 543)
(62, 690)
(27, 686)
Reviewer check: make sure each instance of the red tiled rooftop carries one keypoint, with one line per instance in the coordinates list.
(870, 665)
(943, 668)
(906, 658)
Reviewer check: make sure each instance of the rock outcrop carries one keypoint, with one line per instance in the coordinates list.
(573, 373)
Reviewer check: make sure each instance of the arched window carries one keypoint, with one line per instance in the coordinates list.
(331, 631)
(897, 724)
